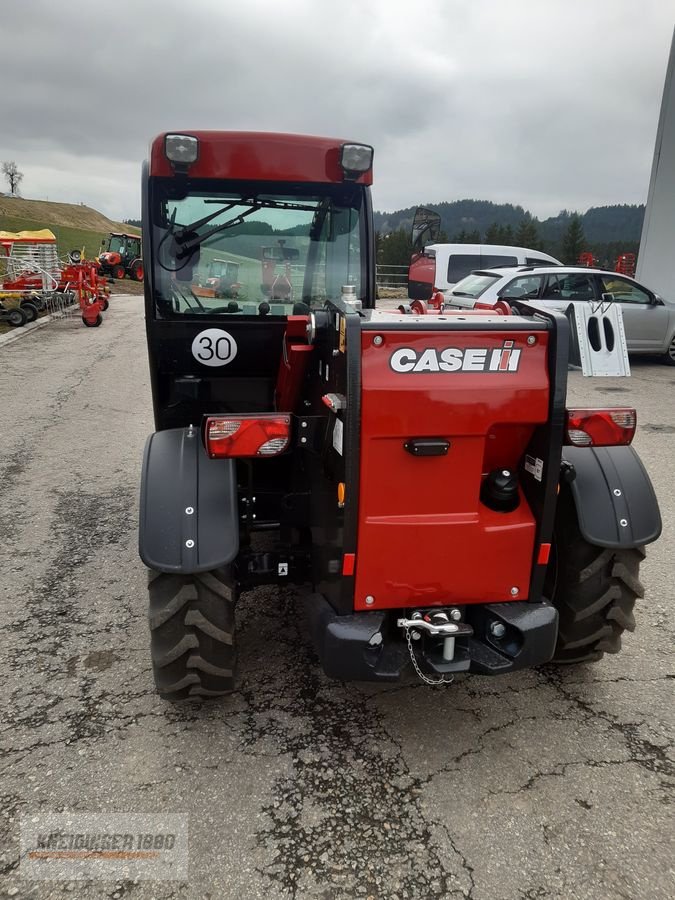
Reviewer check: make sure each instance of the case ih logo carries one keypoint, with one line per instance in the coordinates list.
(455, 359)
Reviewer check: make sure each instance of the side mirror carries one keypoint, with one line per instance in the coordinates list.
(607, 297)
(656, 300)
(426, 226)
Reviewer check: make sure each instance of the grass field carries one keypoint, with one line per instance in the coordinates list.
(67, 238)
(74, 225)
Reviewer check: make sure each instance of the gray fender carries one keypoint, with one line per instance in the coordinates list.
(188, 515)
(614, 498)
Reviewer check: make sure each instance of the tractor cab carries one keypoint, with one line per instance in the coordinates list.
(290, 244)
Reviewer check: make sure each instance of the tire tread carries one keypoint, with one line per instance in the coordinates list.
(192, 643)
(595, 592)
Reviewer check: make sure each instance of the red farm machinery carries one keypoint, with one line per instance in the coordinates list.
(121, 256)
(419, 473)
(33, 279)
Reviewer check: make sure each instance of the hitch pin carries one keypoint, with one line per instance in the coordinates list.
(447, 630)
(443, 628)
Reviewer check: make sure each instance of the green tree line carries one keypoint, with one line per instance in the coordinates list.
(394, 248)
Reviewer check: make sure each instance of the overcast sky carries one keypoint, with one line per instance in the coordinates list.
(550, 104)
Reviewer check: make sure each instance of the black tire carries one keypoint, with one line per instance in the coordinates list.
(669, 355)
(104, 305)
(593, 588)
(97, 321)
(17, 317)
(30, 310)
(192, 641)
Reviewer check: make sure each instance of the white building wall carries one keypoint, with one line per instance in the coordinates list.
(656, 262)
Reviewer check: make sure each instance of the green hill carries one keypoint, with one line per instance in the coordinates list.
(74, 225)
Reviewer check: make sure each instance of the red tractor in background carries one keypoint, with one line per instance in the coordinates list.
(421, 476)
(121, 255)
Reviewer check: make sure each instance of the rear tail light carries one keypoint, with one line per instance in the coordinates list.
(600, 427)
(265, 435)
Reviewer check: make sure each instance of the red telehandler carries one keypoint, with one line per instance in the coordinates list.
(420, 476)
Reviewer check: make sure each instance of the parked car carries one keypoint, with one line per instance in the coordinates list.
(443, 265)
(649, 320)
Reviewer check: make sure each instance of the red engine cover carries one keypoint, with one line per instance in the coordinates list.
(424, 536)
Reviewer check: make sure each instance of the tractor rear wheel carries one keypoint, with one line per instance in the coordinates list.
(30, 310)
(593, 588)
(192, 641)
(137, 272)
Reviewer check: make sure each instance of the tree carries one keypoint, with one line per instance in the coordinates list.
(493, 234)
(528, 236)
(396, 248)
(14, 178)
(573, 241)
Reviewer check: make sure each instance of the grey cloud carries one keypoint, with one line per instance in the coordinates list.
(549, 105)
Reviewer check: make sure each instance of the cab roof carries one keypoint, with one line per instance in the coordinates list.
(259, 156)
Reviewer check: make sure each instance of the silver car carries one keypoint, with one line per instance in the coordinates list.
(649, 320)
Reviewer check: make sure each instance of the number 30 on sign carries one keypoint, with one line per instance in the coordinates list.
(214, 347)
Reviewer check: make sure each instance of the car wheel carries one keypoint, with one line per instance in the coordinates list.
(669, 355)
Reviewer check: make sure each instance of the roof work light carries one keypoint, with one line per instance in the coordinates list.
(355, 159)
(181, 149)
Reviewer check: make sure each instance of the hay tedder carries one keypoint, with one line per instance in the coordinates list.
(419, 473)
(33, 276)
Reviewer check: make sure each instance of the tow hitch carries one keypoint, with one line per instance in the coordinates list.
(435, 625)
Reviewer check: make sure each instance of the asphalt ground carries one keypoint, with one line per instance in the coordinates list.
(554, 783)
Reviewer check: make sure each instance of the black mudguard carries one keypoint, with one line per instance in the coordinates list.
(188, 515)
(614, 498)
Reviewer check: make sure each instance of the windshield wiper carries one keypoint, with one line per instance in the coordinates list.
(463, 294)
(188, 240)
(194, 225)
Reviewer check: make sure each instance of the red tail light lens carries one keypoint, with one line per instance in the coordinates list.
(266, 435)
(600, 427)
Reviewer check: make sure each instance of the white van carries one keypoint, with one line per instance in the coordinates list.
(442, 265)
